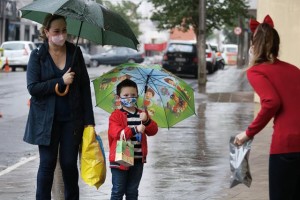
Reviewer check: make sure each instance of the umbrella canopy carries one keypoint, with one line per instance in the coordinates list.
(167, 98)
(86, 19)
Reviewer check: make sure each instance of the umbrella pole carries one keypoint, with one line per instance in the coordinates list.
(79, 33)
(73, 60)
(146, 87)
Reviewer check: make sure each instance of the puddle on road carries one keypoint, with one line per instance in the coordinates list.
(193, 157)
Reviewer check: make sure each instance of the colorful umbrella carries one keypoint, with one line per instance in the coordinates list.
(167, 98)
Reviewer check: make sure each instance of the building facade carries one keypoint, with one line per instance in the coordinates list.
(285, 16)
(12, 26)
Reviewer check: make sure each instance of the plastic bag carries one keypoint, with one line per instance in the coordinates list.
(239, 163)
(93, 165)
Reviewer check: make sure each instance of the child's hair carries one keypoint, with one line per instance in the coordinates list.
(126, 83)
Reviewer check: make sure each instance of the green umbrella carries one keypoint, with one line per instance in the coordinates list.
(86, 19)
(167, 98)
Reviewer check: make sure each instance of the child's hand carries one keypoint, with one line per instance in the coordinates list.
(143, 116)
(140, 128)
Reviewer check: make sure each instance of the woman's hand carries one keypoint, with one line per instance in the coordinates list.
(68, 77)
(241, 138)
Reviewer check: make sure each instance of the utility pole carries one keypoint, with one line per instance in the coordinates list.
(241, 44)
(201, 42)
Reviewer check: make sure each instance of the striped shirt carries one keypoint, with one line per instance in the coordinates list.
(133, 120)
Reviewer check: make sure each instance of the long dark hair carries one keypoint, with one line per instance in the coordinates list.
(265, 44)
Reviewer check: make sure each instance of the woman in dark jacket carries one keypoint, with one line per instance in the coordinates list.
(55, 123)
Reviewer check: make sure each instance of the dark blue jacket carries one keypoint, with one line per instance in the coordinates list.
(41, 83)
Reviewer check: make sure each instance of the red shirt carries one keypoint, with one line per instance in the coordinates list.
(278, 86)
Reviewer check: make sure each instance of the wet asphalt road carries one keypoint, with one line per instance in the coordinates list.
(188, 161)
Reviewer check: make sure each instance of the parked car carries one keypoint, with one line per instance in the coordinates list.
(220, 62)
(181, 58)
(17, 53)
(117, 56)
(229, 53)
(86, 56)
(38, 43)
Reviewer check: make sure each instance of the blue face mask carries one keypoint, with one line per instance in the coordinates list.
(128, 101)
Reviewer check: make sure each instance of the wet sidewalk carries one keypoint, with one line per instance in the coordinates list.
(187, 162)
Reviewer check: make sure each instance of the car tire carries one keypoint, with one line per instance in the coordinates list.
(210, 68)
(131, 60)
(94, 63)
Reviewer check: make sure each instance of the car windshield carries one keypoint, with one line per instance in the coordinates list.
(13, 46)
(214, 48)
(120, 51)
(231, 49)
(180, 48)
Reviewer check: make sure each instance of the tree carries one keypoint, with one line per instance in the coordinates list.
(127, 10)
(184, 14)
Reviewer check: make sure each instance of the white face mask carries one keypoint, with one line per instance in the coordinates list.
(59, 40)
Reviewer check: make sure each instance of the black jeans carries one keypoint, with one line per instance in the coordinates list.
(284, 176)
(62, 138)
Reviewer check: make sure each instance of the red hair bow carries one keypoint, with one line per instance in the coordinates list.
(253, 23)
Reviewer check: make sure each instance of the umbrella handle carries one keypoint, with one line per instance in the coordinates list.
(61, 93)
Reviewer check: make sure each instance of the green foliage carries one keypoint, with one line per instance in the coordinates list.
(127, 10)
(185, 13)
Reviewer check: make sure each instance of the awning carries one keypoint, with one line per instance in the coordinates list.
(155, 47)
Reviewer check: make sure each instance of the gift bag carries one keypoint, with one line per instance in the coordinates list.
(239, 163)
(124, 151)
(92, 162)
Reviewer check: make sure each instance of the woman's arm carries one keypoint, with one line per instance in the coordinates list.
(35, 85)
(269, 100)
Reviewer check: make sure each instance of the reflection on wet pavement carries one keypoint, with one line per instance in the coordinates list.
(191, 159)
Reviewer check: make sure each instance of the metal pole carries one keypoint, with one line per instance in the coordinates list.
(202, 44)
(240, 57)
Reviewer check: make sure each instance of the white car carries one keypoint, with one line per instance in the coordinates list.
(16, 53)
(229, 53)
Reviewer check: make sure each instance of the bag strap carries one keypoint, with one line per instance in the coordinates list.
(122, 135)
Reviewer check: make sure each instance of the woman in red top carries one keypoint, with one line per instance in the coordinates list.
(277, 83)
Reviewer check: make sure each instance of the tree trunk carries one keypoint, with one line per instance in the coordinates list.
(241, 44)
(201, 43)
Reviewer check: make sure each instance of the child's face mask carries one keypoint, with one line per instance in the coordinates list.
(128, 101)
